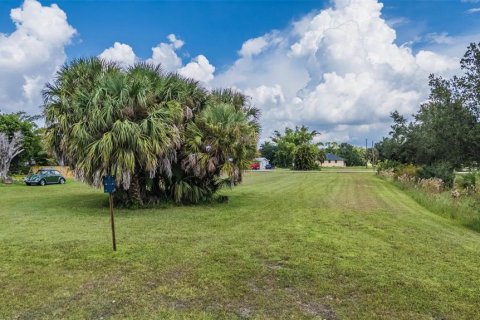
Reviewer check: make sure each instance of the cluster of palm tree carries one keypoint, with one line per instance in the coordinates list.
(164, 137)
(295, 148)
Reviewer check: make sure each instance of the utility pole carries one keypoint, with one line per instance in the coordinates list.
(373, 155)
(366, 153)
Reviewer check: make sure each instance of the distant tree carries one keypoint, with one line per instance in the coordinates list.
(268, 150)
(445, 132)
(32, 137)
(352, 155)
(468, 85)
(290, 141)
(398, 146)
(285, 147)
(321, 156)
(372, 155)
(331, 147)
(9, 149)
(306, 157)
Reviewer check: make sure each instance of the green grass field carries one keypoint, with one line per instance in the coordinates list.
(292, 245)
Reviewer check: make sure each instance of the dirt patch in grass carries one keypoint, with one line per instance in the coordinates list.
(323, 311)
(89, 294)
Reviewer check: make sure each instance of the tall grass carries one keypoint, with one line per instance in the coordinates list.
(465, 209)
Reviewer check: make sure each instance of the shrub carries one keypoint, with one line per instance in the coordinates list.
(432, 185)
(386, 165)
(305, 157)
(409, 170)
(406, 179)
(388, 173)
(468, 181)
(440, 170)
(455, 193)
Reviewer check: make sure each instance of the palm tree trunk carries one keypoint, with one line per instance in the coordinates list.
(131, 198)
(135, 191)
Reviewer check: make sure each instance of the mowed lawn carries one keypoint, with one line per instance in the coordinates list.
(292, 245)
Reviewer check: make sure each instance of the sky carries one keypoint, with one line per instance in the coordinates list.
(340, 67)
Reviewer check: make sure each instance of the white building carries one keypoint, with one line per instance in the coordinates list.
(333, 161)
(263, 162)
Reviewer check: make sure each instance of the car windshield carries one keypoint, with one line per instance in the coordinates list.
(42, 172)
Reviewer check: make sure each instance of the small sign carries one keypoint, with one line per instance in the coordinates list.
(109, 187)
(108, 184)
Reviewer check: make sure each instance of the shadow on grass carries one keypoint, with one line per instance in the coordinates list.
(474, 225)
(78, 199)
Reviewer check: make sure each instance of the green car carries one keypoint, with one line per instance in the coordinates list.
(45, 176)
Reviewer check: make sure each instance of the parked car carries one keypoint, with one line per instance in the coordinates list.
(255, 166)
(268, 166)
(45, 176)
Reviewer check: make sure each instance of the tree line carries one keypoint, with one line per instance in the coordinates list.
(299, 149)
(444, 134)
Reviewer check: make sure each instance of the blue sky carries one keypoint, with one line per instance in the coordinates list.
(214, 28)
(218, 28)
(212, 34)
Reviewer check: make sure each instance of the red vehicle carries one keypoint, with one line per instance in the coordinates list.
(255, 166)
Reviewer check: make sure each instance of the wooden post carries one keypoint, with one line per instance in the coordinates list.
(112, 221)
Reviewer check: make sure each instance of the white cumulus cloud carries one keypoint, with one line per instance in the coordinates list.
(30, 55)
(253, 46)
(165, 54)
(265, 95)
(199, 69)
(177, 43)
(121, 53)
(339, 71)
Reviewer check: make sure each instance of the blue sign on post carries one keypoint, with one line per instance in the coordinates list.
(108, 184)
(109, 187)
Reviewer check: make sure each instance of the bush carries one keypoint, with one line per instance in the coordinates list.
(409, 170)
(432, 185)
(406, 179)
(469, 180)
(305, 157)
(440, 170)
(388, 174)
(386, 165)
(468, 183)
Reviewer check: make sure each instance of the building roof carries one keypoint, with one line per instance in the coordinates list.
(332, 157)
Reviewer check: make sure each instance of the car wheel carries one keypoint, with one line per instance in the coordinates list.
(42, 182)
(61, 181)
(27, 184)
